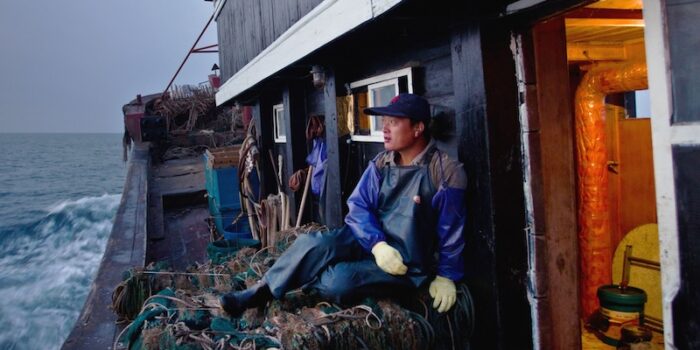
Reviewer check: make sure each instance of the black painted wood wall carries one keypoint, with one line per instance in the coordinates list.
(489, 145)
(481, 96)
(684, 44)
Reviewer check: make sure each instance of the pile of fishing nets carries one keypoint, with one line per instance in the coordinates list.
(180, 310)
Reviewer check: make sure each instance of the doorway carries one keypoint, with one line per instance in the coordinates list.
(589, 172)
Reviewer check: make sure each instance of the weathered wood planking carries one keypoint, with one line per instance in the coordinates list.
(97, 328)
(268, 21)
(686, 305)
(504, 148)
(333, 206)
(246, 28)
(470, 108)
(557, 174)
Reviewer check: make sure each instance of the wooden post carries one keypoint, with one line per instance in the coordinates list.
(551, 131)
(295, 117)
(262, 116)
(333, 206)
(470, 117)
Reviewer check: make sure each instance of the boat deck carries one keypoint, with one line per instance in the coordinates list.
(178, 232)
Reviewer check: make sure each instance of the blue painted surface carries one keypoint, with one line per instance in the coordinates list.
(222, 187)
(225, 225)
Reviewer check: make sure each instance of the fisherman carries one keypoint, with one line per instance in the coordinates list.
(403, 228)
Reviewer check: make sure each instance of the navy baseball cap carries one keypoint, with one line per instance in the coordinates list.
(404, 106)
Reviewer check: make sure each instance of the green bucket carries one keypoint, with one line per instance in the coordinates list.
(620, 307)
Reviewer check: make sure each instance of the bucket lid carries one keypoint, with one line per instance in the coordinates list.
(628, 296)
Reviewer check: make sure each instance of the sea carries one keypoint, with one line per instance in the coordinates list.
(58, 197)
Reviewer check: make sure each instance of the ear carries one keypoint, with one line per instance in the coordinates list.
(419, 128)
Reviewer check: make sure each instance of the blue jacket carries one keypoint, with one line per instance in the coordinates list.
(448, 203)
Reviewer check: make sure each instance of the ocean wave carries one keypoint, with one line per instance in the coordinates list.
(108, 200)
(46, 268)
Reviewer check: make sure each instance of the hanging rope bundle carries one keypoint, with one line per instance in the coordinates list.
(248, 177)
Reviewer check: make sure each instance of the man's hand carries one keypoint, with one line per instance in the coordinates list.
(388, 259)
(444, 293)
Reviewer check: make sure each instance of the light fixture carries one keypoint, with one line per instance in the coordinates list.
(318, 75)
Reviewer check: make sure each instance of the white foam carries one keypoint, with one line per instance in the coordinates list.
(46, 272)
(105, 199)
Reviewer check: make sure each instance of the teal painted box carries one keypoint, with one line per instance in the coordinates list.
(221, 181)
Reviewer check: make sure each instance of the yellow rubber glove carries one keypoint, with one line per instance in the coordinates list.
(444, 293)
(388, 259)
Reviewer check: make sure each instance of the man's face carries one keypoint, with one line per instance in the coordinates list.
(399, 135)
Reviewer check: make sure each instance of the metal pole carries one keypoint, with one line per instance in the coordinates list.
(188, 54)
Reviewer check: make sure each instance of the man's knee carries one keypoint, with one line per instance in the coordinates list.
(338, 284)
(317, 241)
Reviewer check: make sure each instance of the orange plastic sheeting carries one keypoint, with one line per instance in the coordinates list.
(594, 224)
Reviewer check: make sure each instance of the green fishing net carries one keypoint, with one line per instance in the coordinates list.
(180, 310)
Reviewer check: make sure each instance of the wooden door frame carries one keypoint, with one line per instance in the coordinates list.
(667, 138)
(550, 183)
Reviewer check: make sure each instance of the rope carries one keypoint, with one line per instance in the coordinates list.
(129, 295)
(181, 273)
(349, 314)
(298, 321)
(246, 163)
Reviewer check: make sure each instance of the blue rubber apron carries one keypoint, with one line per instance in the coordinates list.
(408, 218)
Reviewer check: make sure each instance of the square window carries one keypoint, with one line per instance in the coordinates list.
(278, 118)
(374, 92)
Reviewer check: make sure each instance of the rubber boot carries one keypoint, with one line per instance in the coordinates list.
(235, 303)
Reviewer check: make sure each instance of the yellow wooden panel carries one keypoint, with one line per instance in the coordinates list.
(363, 122)
(595, 52)
(604, 22)
(637, 194)
(636, 51)
(617, 4)
(604, 34)
(645, 244)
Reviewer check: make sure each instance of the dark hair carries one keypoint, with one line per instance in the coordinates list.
(439, 127)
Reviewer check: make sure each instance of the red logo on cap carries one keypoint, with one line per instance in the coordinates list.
(396, 98)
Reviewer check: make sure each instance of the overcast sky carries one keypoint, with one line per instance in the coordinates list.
(69, 65)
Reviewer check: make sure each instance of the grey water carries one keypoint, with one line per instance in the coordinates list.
(58, 197)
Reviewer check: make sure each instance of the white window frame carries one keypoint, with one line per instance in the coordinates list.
(375, 127)
(275, 121)
(376, 82)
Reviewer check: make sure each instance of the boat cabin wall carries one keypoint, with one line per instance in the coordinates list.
(465, 70)
(245, 28)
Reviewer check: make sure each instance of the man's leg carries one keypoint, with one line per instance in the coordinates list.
(351, 281)
(300, 264)
(308, 256)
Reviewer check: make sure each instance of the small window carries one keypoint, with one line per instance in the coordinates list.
(637, 104)
(280, 130)
(374, 92)
(380, 94)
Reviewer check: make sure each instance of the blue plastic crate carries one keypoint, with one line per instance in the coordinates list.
(239, 230)
(222, 187)
(224, 222)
